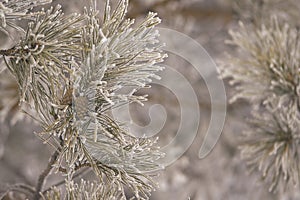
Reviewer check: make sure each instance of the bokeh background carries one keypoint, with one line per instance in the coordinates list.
(221, 175)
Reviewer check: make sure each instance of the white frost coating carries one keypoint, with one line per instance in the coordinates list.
(104, 39)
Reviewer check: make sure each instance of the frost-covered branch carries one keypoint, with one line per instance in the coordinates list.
(71, 72)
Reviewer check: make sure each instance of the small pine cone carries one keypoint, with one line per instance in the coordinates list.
(67, 98)
(81, 107)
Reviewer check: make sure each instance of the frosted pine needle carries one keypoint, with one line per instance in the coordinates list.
(12, 10)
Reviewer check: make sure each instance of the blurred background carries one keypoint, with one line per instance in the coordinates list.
(222, 174)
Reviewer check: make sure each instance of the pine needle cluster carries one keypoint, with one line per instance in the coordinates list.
(266, 73)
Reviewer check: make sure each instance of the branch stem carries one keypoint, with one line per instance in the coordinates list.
(44, 175)
(7, 52)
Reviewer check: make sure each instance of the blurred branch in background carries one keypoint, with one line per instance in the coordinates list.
(265, 72)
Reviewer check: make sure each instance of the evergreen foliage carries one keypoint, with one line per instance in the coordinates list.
(71, 71)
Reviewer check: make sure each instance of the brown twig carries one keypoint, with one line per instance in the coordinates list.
(64, 170)
(7, 52)
(44, 175)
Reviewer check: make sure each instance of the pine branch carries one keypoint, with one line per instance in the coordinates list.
(72, 71)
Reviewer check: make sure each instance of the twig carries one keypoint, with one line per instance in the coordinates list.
(7, 52)
(63, 170)
(44, 175)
